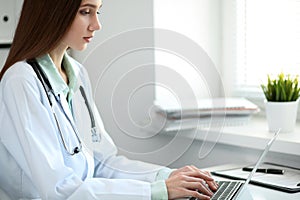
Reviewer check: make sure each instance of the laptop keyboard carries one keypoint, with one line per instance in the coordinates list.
(226, 190)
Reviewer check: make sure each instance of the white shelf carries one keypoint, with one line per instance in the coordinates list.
(254, 135)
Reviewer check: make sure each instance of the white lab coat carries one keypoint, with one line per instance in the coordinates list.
(34, 164)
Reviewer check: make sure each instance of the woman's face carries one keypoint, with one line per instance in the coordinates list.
(84, 25)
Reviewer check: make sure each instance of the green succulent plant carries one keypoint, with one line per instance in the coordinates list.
(281, 89)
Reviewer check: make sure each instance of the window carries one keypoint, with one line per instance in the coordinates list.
(266, 40)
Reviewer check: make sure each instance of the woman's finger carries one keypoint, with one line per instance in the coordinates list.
(199, 186)
(194, 193)
(212, 184)
(198, 195)
(199, 174)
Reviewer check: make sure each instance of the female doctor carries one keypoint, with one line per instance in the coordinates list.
(52, 141)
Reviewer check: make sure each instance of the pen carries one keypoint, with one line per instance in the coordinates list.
(264, 170)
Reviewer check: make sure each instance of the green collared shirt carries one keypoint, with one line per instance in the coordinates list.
(59, 86)
(158, 188)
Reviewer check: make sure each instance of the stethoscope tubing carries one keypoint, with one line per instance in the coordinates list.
(76, 149)
(48, 89)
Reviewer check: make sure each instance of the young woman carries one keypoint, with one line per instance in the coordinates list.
(48, 119)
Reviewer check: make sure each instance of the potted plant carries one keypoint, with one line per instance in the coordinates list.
(282, 97)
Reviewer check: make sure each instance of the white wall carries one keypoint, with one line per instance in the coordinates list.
(121, 66)
(120, 62)
(193, 67)
(9, 14)
(3, 55)
(199, 20)
(122, 72)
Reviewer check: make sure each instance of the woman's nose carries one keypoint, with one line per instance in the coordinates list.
(95, 25)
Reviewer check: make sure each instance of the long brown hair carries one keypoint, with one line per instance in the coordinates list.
(41, 26)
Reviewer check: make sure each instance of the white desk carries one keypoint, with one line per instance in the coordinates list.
(258, 192)
(262, 193)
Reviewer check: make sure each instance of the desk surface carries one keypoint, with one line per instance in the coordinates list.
(258, 192)
(262, 193)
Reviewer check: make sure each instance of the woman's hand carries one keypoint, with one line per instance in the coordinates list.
(190, 181)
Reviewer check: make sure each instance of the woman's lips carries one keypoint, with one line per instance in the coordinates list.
(88, 39)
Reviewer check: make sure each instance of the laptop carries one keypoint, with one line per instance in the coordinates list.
(235, 190)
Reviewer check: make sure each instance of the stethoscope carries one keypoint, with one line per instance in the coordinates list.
(96, 137)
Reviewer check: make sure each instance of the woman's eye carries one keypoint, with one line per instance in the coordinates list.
(85, 12)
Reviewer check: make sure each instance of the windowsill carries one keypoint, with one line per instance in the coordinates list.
(255, 135)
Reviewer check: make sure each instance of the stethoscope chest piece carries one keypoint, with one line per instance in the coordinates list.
(96, 137)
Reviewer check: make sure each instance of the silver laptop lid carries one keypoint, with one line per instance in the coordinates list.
(259, 161)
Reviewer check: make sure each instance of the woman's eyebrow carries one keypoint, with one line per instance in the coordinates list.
(90, 5)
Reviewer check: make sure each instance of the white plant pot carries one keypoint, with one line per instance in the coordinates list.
(281, 115)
